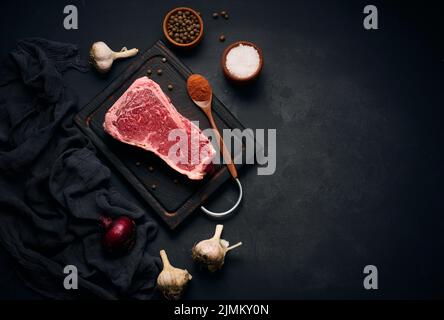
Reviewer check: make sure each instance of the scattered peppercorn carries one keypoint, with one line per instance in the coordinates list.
(176, 181)
(153, 186)
(164, 59)
(159, 72)
(222, 38)
(151, 169)
(226, 16)
(170, 87)
(149, 72)
(137, 163)
(222, 13)
(215, 15)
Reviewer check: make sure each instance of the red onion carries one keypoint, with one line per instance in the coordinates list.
(119, 234)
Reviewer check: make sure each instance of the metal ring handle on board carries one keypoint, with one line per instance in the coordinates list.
(225, 213)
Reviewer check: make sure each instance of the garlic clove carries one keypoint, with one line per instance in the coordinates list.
(172, 281)
(208, 252)
(211, 252)
(103, 57)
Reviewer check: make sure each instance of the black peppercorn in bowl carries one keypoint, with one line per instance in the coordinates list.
(183, 27)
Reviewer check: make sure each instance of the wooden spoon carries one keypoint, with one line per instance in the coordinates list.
(205, 105)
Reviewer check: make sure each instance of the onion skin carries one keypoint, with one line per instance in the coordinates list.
(119, 235)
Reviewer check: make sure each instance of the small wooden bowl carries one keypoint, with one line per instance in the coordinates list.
(232, 77)
(171, 40)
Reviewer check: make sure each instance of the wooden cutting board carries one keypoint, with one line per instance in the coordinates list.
(170, 194)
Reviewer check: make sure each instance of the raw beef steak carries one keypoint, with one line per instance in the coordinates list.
(144, 117)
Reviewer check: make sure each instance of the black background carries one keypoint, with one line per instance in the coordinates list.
(359, 152)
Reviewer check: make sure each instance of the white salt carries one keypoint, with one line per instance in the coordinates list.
(242, 61)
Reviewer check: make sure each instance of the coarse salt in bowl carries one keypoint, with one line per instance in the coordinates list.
(242, 61)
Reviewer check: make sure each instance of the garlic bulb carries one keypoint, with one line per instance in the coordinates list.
(103, 57)
(211, 252)
(172, 281)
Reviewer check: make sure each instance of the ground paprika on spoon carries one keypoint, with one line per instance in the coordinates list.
(198, 88)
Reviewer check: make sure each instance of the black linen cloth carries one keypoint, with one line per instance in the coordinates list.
(53, 188)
